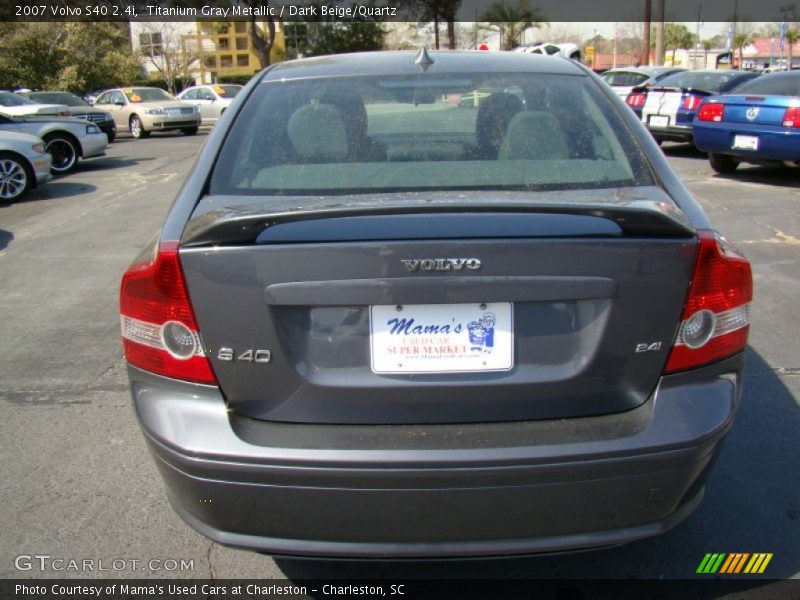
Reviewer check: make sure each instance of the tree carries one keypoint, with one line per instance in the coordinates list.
(170, 52)
(346, 36)
(791, 36)
(740, 40)
(511, 20)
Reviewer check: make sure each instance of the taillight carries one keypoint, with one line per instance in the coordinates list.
(159, 331)
(691, 102)
(716, 318)
(711, 112)
(636, 99)
(791, 118)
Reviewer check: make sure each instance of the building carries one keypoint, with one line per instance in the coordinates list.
(203, 51)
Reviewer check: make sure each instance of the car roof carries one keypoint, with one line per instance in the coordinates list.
(644, 70)
(402, 63)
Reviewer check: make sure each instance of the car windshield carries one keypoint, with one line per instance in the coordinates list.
(227, 91)
(348, 135)
(704, 81)
(9, 99)
(57, 98)
(146, 95)
(778, 84)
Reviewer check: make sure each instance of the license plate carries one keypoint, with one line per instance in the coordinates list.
(745, 142)
(658, 121)
(442, 338)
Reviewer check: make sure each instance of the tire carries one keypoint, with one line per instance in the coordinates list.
(722, 163)
(189, 130)
(16, 177)
(65, 152)
(137, 128)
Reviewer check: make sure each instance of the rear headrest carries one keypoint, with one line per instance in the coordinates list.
(534, 134)
(318, 134)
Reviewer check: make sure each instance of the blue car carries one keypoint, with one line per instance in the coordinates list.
(668, 108)
(758, 123)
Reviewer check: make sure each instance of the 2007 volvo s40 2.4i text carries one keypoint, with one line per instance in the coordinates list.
(434, 305)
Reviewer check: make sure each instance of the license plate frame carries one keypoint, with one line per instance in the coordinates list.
(441, 339)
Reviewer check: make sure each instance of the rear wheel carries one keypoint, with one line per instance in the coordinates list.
(64, 150)
(16, 176)
(189, 130)
(722, 163)
(137, 128)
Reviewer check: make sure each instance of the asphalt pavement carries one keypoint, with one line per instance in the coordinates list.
(79, 484)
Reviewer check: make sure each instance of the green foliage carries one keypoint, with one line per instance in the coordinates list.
(511, 20)
(344, 37)
(66, 56)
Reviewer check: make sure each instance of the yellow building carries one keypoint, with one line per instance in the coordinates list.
(224, 49)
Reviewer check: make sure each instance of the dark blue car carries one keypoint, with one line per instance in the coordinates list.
(758, 123)
(668, 108)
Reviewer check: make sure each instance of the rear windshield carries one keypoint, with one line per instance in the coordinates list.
(779, 84)
(350, 135)
(718, 81)
(625, 78)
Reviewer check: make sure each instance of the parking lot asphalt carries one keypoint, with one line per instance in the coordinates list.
(78, 482)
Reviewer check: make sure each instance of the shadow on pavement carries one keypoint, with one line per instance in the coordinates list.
(752, 504)
(57, 189)
(777, 175)
(5, 238)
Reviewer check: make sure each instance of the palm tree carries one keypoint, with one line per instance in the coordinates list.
(511, 20)
(791, 36)
(707, 45)
(741, 40)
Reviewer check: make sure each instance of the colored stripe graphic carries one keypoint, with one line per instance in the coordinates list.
(734, 563)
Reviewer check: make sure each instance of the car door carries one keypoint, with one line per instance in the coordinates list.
(115, 103)
(207, 104)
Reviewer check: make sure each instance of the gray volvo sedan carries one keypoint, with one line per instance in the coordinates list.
(434, 305)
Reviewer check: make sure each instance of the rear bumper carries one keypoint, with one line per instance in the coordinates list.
(437, 491)
(775, 143)
(673, 133)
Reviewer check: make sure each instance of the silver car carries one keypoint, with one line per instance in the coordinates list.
(67, 139)
(380, 322)
(211, 100)
(623, 79)
(24, 164)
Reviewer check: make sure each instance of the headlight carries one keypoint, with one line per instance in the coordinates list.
(154, 111)
(92, 129)
(38, 148)
(108, 116)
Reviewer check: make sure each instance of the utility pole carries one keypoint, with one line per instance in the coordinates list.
(697, 35)
(645, 58)
(659, 33)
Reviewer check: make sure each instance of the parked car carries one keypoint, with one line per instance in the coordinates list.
(24, 164)
(142, 110)
(66, 139)
(392, 326)
(756, 123)
(19, 105)
(668, 107)
(210, 100)
(567, 50)
(79, 108)
(623, 79)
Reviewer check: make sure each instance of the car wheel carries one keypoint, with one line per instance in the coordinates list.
(137, 128)
(189, 130)
(722, 163)
(16, 176)
(64, 150)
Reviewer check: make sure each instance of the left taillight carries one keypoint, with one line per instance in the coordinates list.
(636, 99)
(159, 330)
(716, 318)
(711, 112)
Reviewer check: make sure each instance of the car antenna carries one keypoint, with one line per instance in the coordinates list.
(423, 59)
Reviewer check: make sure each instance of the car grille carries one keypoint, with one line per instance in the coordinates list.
(94, 117)
(176, 112)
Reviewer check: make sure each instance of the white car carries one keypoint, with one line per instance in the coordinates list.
(623, 79)
(210, 100)
(567, 50)
(24, 164)
(66, 139)
(17, 105)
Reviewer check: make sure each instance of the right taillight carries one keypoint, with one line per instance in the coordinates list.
(791, 118)
(159, 331)
(711, 112)
(716, 318)
(636, 99)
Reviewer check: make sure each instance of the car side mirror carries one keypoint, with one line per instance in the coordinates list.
(119, 103)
